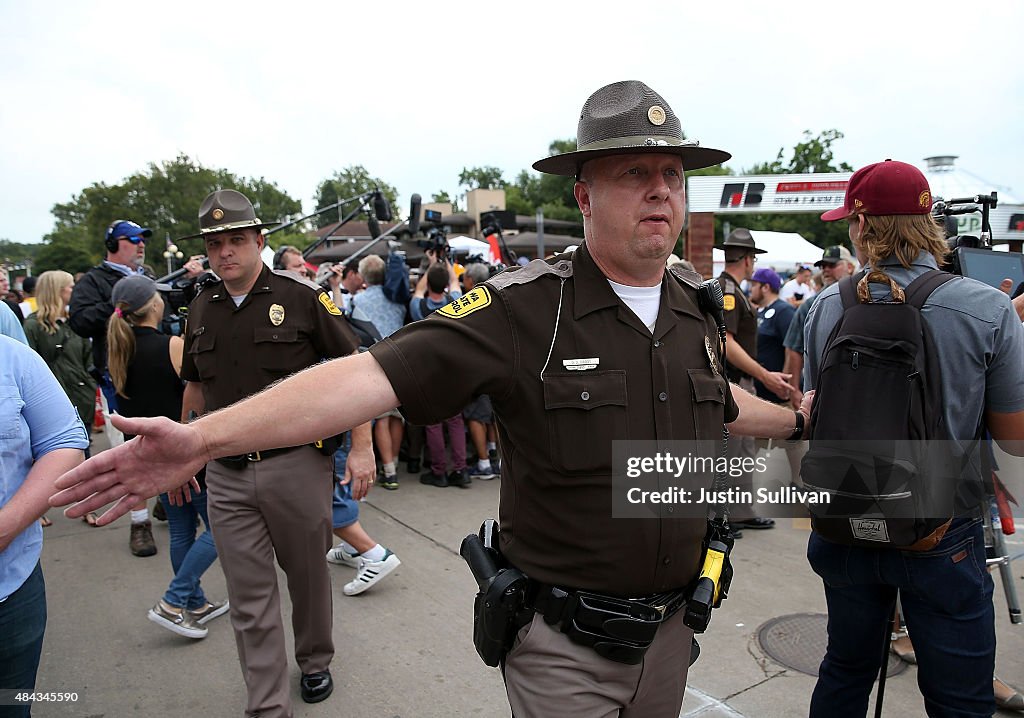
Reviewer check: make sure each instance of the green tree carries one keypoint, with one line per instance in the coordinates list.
(164, 197)
(813, 154)
(481, 178)
(443, 196)
(18, 253)
(343, 184)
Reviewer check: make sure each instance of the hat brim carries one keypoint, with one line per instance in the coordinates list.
(823, 262)
(834, 215)
(228, 228)
(727, 247)
(693, 157)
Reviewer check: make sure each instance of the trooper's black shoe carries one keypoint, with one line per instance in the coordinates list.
(315, 687)
(755, 523)
(460, 479)
(432, 479)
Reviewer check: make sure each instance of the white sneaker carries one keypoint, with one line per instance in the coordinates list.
(178, 620)
(340, 556)
(370, 572)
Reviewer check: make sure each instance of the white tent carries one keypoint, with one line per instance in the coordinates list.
(785, 250)
(473, 247)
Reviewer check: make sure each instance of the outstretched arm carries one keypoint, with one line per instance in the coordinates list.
(323, 400)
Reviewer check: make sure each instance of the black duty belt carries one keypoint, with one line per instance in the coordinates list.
(242, 460)
(620, 629)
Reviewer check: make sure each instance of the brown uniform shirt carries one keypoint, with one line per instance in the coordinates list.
(284, 325)
(740, 321)
(510, 338)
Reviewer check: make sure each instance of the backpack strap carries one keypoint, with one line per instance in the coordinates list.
(921, 288)
(848, 290)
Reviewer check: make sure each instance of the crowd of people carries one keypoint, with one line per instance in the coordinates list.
(558, 359)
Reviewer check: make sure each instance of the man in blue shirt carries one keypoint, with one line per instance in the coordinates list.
(773, 318)
(41, 437)
(9, 324)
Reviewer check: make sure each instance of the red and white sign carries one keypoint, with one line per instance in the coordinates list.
(767, 193)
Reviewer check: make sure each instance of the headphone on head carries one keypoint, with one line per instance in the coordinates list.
(279, 255)
(109, 241)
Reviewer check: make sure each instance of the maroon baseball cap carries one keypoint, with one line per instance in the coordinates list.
(888, 187)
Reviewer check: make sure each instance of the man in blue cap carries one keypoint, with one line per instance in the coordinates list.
(90, 308)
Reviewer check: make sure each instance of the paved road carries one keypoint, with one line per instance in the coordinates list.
(403, 648)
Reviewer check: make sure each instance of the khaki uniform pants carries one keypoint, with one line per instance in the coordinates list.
(549, 676)
(282, 506)
(742, 447)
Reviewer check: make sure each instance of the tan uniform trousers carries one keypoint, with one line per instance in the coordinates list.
(549, 676)
(742, 447)
(282, 506)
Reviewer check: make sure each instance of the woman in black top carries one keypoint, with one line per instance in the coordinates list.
(144, 365)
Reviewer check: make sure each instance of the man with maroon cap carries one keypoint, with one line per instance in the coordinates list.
(945, 592)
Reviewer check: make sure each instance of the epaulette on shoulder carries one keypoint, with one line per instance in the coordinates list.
(205, 280)
(686, 276)
(296, 278)
(728, 285)
(560, 267)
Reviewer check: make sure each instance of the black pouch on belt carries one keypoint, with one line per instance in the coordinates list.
(617, 629)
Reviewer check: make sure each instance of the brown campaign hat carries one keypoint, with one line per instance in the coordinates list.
(628, 118)
(227, 209)
(741, 239)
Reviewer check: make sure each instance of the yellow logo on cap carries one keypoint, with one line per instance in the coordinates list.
(218, 214)
(476, 298)
(925, 200)
(857, 204)
(329, 304)
(656, 115)
(276, 314)
(729, 302)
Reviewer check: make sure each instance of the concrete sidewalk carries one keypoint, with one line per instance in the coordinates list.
(404, 648)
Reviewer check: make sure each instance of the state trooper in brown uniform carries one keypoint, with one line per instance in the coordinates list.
(575, 352)
(244, 332)
(741, 366)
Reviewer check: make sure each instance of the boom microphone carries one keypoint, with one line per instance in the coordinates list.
(374, 226)
(381, 208)
(414, 214)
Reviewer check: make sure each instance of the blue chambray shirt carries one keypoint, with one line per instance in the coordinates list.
(9, 324)
(36, 417)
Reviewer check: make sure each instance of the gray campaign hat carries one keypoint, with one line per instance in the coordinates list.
(629, 118)
(742, 239)
(135, 292)
(227, 209)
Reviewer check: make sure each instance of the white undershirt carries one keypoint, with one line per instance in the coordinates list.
(644, 301)
(239, 299)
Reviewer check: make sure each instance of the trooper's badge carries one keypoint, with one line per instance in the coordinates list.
(712, 361)
(218, 214)
(329, 304)
(276, 314)
(729, 302)
(476, 298)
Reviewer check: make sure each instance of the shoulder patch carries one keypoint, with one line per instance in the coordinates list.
(475, 299)
(728, 284)
(561, 268)
(329, 304)
(729, 302)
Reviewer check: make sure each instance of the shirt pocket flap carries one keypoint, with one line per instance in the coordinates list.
(707, 386)
(276, 334)
(202, 341)
(585, 391)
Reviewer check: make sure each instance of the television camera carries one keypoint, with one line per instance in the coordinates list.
(972, 256)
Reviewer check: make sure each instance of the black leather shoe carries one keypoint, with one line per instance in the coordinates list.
(460, 479)
(432, 479)
(413, 466)
(754, 523)
(316, 687)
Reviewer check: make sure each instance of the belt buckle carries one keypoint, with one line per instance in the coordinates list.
(254, 456)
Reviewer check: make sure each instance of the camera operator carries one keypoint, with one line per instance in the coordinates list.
(945, 592)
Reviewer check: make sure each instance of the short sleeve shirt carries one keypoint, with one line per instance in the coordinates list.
(570, 369)
(772, 324)
(740, 321)
(284, 325)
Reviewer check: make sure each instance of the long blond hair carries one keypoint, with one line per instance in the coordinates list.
(121, 340)
(49, 304)
(902, 236)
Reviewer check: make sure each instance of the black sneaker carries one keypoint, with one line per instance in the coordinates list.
(413, 466)
(432, 479)
(460, 479)
(388, 482)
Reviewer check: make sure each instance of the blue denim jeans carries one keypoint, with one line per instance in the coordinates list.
(190, 556)
(946, 597)
(344, 509)
(22, 624)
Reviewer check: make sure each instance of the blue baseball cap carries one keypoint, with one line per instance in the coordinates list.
(127, 228)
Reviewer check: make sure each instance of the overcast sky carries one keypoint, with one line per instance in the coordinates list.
(292, 91)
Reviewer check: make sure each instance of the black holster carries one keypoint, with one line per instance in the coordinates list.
(500, 599)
